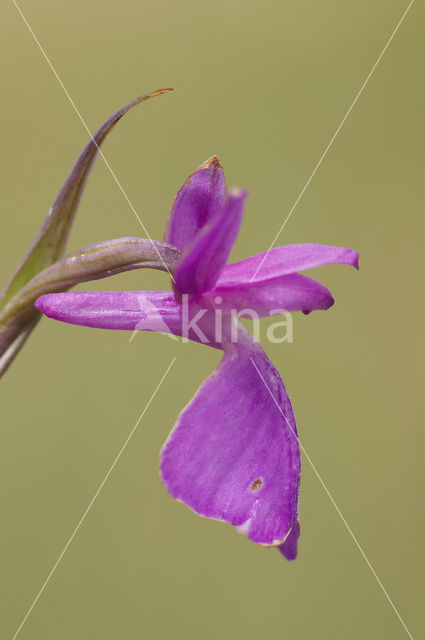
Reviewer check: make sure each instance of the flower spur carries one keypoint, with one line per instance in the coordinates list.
(233, 454)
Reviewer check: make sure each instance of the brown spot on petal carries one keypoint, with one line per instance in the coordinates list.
(256, 485)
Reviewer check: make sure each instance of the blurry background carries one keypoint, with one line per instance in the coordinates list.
(264, 87)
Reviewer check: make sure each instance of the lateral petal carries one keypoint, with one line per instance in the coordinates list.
(293, 292)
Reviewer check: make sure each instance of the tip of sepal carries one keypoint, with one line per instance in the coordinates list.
(353, 258)
(213, 164)
(212, 161)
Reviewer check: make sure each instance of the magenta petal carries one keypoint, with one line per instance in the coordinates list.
(199, 268)
(282, 261)
(131, 311)
(200, 199)
(233, 454)
(293, 292)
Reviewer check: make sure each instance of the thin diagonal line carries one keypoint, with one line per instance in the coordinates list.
(333, 138)
(334, 503)
(45, 583)
(90, 134)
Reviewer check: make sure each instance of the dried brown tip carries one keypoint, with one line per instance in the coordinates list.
(214, 160)
(158, 92)
(152, 94)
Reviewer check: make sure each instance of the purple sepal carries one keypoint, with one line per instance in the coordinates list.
(133, 311)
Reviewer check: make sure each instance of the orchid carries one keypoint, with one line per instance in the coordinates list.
(233, 454)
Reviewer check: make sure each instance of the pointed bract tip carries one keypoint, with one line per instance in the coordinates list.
(152, 94)
(158, 92)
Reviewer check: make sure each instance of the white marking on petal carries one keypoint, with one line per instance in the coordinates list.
(244, 528)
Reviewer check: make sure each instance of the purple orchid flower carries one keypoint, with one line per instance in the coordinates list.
(234, 453)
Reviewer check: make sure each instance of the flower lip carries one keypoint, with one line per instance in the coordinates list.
(233, 436)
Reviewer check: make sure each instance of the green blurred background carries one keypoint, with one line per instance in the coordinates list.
(264, 86)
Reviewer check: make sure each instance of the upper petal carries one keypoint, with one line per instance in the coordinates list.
(199, 200)
(233, 454)
(282, 261)
(200, 266)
